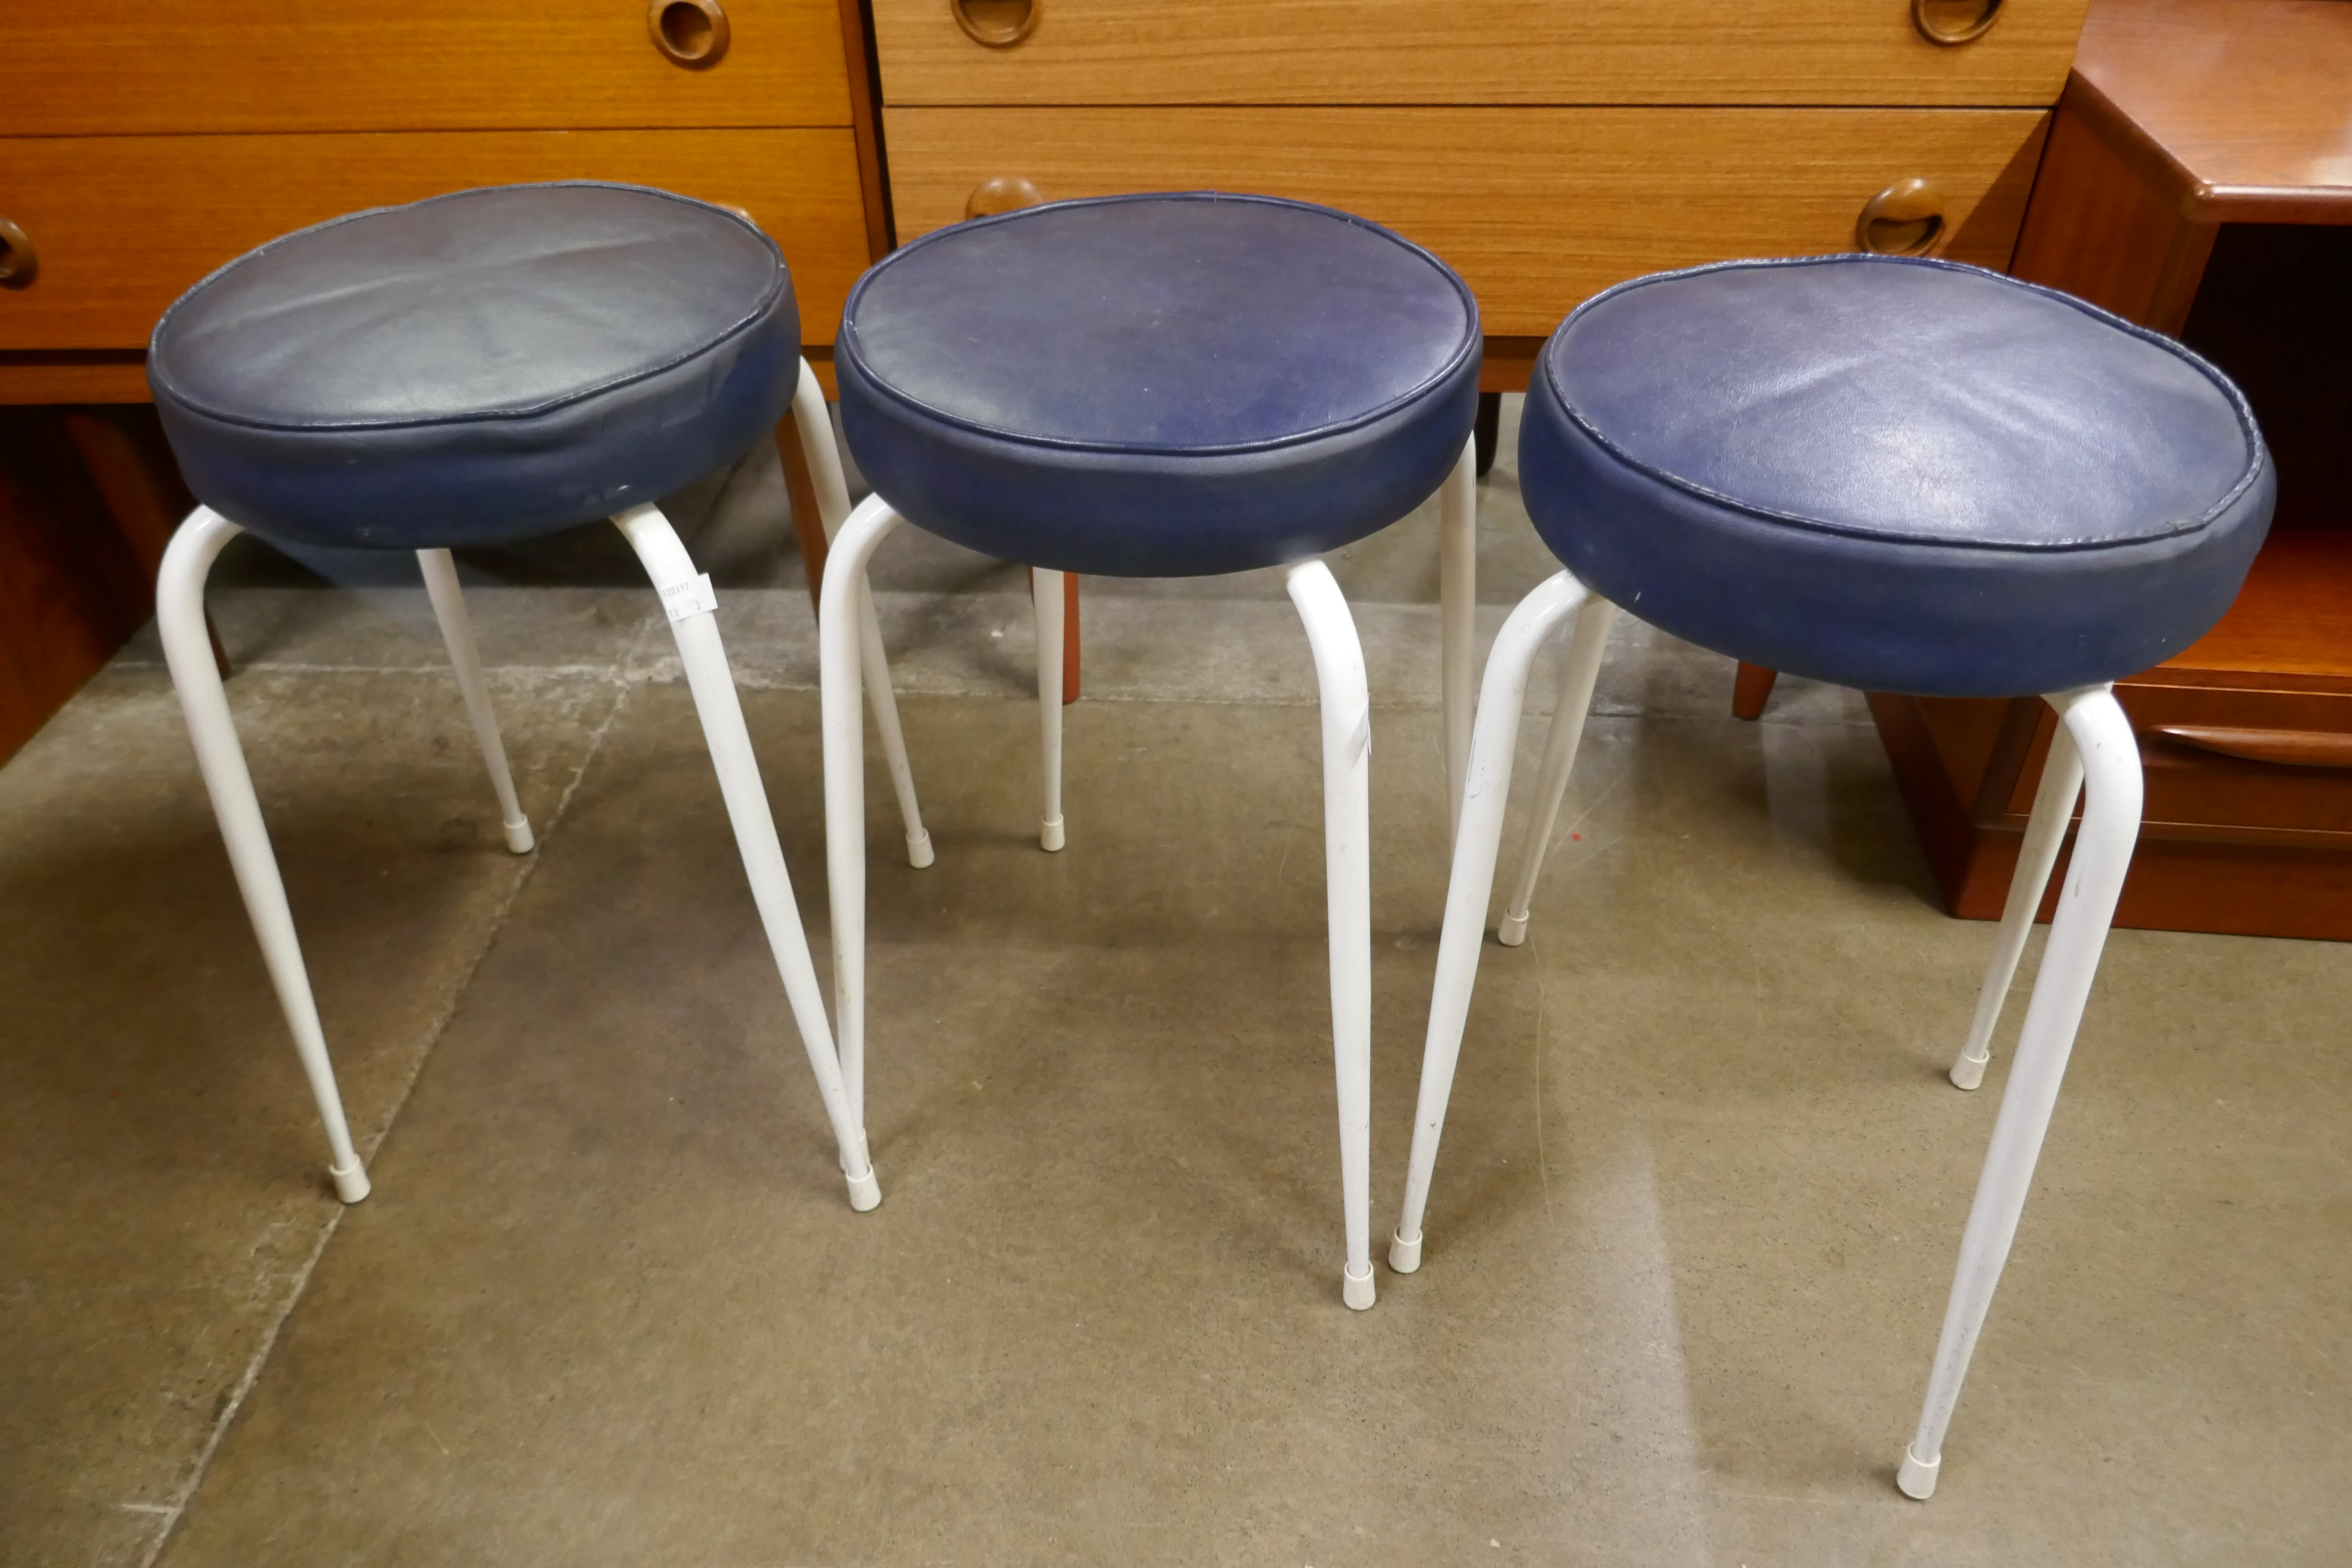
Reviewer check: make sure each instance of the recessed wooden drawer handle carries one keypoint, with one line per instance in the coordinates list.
(2294, 748)
(1954, 21)
(18, 259)
(1907, 219)
(692, 33)
(1001, 194)
(999, 24)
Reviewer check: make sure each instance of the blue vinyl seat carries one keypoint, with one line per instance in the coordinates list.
(1894, 473)
(1899, 473)
(1172, 384)
(1159, 385)
(482, 366)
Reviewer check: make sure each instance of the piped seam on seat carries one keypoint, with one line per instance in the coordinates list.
(777, 285)
(846, 349)
(2257, 452)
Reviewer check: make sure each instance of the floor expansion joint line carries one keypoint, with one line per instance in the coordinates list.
(172, 1513)
(177, 1509)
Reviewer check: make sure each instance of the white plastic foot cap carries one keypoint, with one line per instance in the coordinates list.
(1404, 1256)
(1357, 1292)
(865, 1192)
(918, 849)
(1917, 1475)
(1051, 835)
(351, 1185)
(518, 838)
(1968, 1072)
(1513, 931)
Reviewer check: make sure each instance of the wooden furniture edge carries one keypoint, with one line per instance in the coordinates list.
(865, 123)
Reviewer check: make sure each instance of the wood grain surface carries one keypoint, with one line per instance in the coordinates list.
(1475, 51)
(126, 223)
(1536, 208)
(2106, 222)
(113, 67)
(2249, 99)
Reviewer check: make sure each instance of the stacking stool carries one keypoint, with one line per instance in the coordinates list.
(478, 368)
(1162, 386)
(1902, 475)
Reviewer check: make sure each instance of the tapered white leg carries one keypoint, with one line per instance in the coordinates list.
(1579, 673)
(687, 596)
(2045, 830)
(1457, 591)
(2086, 905)
(838, 653)
(1046, 589)
(1487, 785)
(831, 485)
(1347, 877)
(466, 659)
(188, 650)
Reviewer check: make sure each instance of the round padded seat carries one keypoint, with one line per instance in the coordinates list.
(1905, 475)
(484, 365)
(1159, 385)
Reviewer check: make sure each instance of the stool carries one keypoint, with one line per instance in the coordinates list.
(483, 367)
(1162, 386)
(1896, 474)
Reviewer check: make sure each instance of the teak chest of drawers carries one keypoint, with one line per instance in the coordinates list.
(1546, 150)
(145, 143)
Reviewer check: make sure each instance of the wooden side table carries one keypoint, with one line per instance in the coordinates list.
(2199, 181)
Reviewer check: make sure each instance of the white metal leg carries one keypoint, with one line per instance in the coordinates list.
(686, 594)
(1046, 589)
(2086, 904)
(2045, 830)
(1579, 673)
(1347, 877)
(1457, 590)
(838, 654)
(180, 617)
(832, 486)
(466, 659)
(1487, 785)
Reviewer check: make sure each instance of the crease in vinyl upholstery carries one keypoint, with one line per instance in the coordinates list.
(458, 270)
(2250, 433)
(851, 346)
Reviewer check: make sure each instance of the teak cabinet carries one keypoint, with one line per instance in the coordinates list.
(2199, 181)
(145, 143)
(1546, 150)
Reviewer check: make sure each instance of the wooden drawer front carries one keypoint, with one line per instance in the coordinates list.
(123, 224)
(96, 67)
(2190, 785)
(2196, 792)
(1475, 51)
(1537, 208)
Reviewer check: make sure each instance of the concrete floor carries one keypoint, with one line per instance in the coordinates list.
(1696, 1212)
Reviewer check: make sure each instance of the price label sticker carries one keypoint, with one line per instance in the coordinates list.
(695, 596)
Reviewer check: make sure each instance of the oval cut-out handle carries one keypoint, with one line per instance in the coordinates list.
(689, 33)
(1001, 194)
(1907, 219)
(19, 260)
(998, 24)
(1954, 21)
